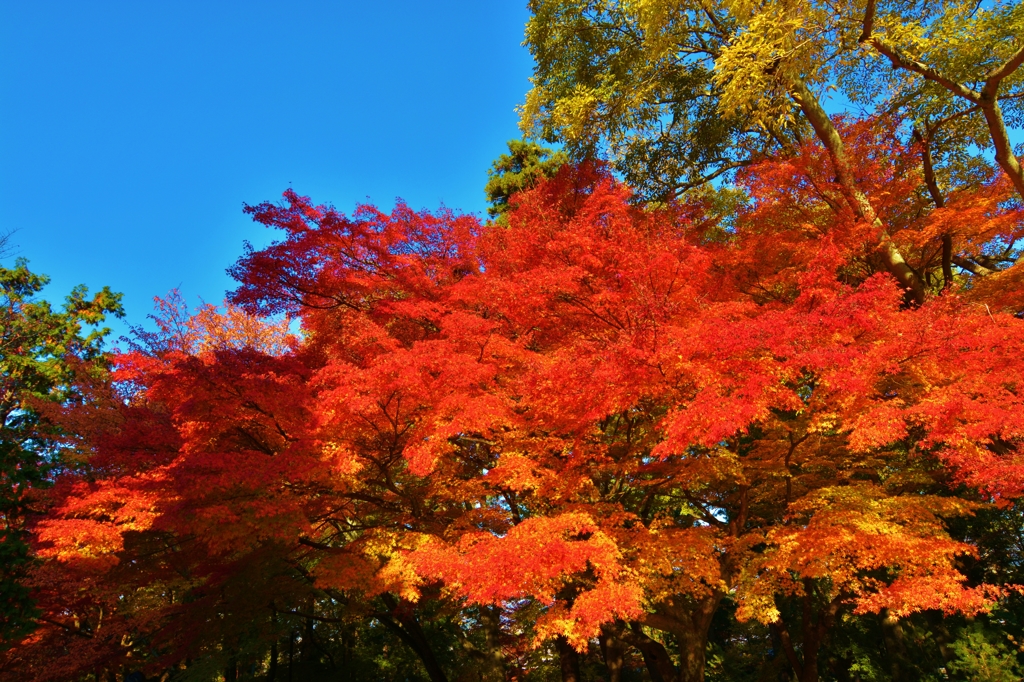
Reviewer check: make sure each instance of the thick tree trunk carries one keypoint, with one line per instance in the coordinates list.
(693, 641)
(612, 651)
(892, 636)
(815, 624)
(659, 663)
(490, 618)
(402, 621)
(809, 673)
(689, 621)
(291, 655)
(1005, 157)
(569, 660)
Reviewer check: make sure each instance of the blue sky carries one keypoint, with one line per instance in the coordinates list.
(131, 133)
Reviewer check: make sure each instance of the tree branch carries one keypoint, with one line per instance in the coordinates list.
(899, 60)
(69, 628)
(833, 143)
(925, 139)
(1009, 66)
(987, 99)
(869, 22)
(971, 267)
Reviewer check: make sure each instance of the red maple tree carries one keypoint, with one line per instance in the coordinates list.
(590, 420)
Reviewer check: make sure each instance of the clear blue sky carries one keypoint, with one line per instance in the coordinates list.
(131, 133)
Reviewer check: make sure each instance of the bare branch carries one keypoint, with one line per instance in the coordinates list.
(6, 247)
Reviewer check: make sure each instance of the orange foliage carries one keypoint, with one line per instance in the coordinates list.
(591, 408)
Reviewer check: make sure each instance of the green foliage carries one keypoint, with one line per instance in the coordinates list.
(674, 92)
(979, 659)
(42, 352)
(520, 169)
(634, 82)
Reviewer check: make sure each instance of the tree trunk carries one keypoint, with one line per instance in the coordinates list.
(693, 643)
(689, 621)
(947, 261)
(490, 618)
(657, 660)
(815, 624)
(892, 636)
(781, 632)
(569, 660)
(402, 621)
(809, 673)
(932, 183)
(612, 652)
(291, 654)
(306, 655)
